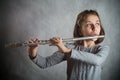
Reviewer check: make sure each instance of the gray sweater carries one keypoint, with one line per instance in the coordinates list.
(84, 63)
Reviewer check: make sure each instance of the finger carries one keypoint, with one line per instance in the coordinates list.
(29, 41)
(33, 39)
(52, 42)
(55, 39)
(37, 40)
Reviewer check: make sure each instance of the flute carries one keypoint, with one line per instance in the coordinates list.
(44, 42)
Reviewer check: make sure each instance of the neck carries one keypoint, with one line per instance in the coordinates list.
(88, 43)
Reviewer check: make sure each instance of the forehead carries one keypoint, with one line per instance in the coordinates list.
(91, 18)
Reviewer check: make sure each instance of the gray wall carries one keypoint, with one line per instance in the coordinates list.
(25, 19)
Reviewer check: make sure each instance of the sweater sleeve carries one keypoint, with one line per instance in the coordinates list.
(91, 58)
(44, 62)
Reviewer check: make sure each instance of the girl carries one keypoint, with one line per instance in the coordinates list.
(84, 58)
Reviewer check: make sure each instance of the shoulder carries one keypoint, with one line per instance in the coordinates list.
(103, 47)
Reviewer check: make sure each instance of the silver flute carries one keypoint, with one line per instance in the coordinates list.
(44, 42)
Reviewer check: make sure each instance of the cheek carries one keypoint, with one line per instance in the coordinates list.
(86, 31)
(99, 30)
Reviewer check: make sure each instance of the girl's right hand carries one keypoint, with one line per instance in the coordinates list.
(33, 49)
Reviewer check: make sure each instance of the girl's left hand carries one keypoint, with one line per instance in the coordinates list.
(57, 41)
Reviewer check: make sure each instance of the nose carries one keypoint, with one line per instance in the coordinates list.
(93, 27)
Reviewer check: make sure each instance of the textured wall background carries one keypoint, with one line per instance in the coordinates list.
(21, 20)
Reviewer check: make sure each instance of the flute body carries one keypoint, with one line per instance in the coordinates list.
(44, 42)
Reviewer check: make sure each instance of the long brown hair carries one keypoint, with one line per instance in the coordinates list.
(78, 26)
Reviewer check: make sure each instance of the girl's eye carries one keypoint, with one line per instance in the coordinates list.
(89, 25)
(97, 24)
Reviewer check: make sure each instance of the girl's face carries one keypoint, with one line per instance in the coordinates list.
(91, 26)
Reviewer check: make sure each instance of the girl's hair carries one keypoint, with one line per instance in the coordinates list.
(78, 26)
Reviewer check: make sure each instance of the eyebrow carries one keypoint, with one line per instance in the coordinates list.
(90, 21)
(98, 21)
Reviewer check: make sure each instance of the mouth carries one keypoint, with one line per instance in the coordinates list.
(94, 34)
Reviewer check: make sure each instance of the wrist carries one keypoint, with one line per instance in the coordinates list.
(68, 50)
(32, 57)
(64, 49)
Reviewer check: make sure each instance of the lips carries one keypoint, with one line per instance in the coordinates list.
(94, 34)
